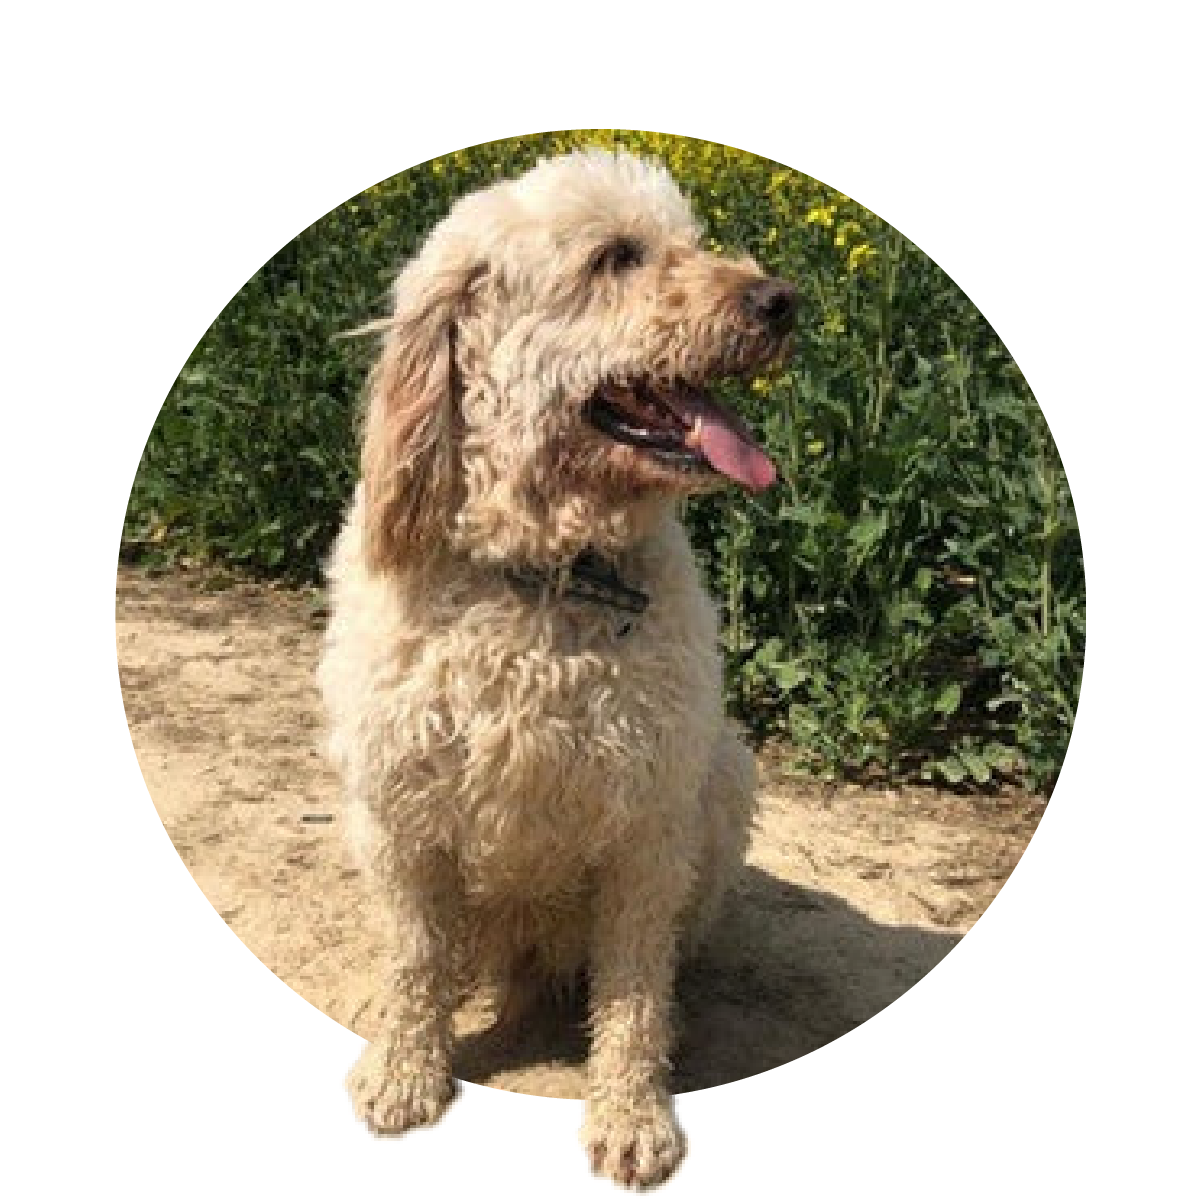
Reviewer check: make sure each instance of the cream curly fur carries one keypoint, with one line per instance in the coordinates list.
(533, 790)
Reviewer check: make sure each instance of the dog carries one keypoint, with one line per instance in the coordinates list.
(521, 670)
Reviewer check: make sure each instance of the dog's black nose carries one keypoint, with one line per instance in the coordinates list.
(771, 302)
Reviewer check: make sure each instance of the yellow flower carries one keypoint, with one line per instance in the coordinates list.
(860, 254)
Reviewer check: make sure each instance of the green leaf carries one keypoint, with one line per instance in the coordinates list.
(948, 699)
(978, 765)
(952, 769)
(788, 675)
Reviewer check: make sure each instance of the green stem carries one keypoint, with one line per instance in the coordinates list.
(796, 459)
(1050, 528)
(893, 249)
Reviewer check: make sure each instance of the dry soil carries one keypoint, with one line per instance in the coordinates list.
(849, 896)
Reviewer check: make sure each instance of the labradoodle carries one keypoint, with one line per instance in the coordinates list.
(522, 671)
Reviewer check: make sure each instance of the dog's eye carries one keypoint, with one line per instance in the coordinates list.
(623, 255)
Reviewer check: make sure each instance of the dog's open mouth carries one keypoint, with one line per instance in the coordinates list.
(683, 427)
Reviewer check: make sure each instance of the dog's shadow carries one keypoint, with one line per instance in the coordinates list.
(787, 970)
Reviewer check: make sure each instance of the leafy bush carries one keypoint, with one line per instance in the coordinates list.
(908, 601)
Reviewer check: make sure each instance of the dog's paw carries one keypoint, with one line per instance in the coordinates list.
(391, 1096)
(636, 1145)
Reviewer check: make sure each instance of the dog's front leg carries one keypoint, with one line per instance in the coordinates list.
(630, 1131)
(403, 1078)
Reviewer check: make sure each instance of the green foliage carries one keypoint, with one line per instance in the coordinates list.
(908, 600)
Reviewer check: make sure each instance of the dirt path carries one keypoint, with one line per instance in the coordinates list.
(849, 896)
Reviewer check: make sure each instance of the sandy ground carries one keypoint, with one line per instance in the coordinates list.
(849, 897)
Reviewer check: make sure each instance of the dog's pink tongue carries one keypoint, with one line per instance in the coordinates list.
(733, 453)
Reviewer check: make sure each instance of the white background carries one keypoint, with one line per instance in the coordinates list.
(155, 156)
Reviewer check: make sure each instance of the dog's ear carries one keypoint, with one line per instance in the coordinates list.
(411, 435)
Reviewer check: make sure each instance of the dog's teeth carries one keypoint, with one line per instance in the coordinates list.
(692, 439)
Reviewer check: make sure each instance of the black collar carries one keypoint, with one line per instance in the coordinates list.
(589, 578)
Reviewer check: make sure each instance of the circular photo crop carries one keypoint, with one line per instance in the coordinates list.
(601, 615)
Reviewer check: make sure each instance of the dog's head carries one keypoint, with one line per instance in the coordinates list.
(542, 384)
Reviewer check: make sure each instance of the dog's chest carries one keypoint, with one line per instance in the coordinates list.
(575, 731)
